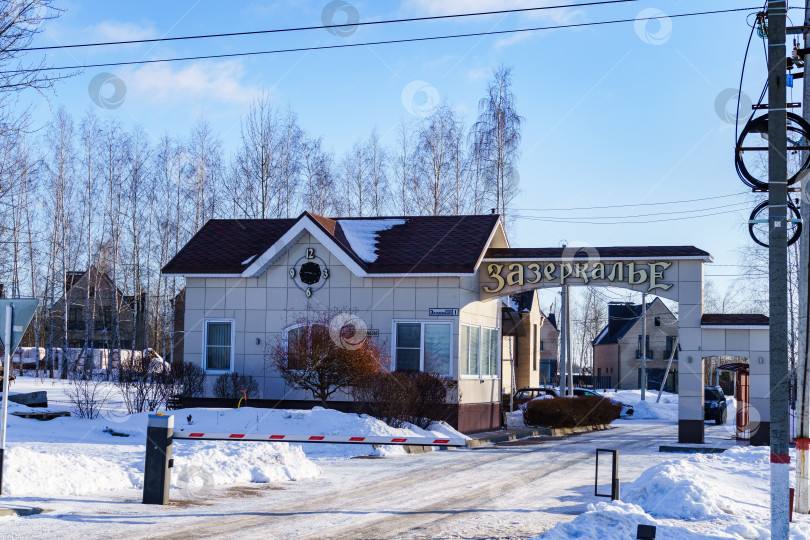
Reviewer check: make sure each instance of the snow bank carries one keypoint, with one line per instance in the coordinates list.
(362, 234)
(73, 456)
(678, 489)
(232, 463)
(83, 469)
(58, 471)
(616, 521)
(666, 409)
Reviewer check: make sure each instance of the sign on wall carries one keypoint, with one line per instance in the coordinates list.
(443, 312)
(630, 273)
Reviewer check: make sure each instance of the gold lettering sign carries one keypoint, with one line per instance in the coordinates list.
(631, 273)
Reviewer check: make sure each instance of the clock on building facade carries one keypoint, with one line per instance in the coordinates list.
(309, 273)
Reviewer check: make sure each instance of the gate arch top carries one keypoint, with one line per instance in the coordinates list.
(672, 272)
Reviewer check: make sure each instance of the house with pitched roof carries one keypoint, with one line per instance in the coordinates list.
(530, 343)
(617, 349)
(412, 280)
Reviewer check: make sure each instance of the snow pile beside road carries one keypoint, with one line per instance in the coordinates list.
(64, 470)
(73, 456)
(61, 471)
(678, 489)
(217, 463)
(615, 520)
(666, 409)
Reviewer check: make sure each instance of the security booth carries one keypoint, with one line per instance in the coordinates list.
(429, 288)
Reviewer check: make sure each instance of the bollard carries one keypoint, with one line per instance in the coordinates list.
(614, 479)
(156, 470)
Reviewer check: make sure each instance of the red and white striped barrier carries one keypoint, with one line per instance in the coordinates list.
(334, 439)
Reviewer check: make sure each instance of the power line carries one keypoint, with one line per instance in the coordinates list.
(320, 27)
(633, 204)
(576, 219)
(387, 42)
(646, 221)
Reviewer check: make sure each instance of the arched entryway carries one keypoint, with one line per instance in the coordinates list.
(671, 272)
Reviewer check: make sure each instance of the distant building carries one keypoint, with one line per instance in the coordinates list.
(530, 343)
(96, 319)
(617, 349)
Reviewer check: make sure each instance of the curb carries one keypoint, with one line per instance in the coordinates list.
(512, 436)
(534, 432)
(22, 512)
(692, 449)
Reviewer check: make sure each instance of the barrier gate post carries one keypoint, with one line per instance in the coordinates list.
(156, 471)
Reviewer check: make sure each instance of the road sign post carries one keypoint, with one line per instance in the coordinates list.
(14, 328)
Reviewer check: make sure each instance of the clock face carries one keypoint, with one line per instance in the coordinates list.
(309, 273)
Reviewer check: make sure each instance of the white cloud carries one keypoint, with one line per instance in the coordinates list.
(426, 8)
(203, 82)
(120, 31)
(61, 34)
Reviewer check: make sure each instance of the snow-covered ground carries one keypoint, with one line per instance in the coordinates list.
(72, 456)
(91, 480)
(688, 497)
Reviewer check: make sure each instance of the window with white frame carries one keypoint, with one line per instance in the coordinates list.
(218, 347)
(422, 346)
(478, 351)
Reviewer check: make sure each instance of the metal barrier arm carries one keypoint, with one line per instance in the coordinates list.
(160, 434)
(332, 439)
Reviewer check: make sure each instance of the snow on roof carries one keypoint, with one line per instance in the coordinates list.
(248, 260)
(362, 234)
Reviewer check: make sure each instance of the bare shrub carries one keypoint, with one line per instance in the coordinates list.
(231, 386)
(312, 359)
(414, 397)
(188, 379)
(88, 395)
(145, 384)
(390, 397)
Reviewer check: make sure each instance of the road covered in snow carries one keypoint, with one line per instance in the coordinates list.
(90, 478)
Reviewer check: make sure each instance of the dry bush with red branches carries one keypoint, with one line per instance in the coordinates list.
(326, 352)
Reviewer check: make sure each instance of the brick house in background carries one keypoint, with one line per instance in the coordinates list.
(617, 348)
(530, 340)
(107, 303)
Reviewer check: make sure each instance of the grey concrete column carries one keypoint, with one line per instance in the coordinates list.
(690, 358)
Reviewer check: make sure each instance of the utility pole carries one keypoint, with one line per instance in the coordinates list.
(777, 267)
(643, 346)
(563, 340)
(802, 416)
(568, 353)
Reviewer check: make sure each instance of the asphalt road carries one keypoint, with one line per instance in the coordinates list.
(491, 492)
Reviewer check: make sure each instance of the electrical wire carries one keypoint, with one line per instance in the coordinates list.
(634, 204)
(742, 74)
(733, 205)
(320, 27)
(385, 42)
(642, 222)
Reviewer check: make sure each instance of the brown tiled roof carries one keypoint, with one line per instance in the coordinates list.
(734, 319)
(606, 253)
(222, 245)
(423, 244)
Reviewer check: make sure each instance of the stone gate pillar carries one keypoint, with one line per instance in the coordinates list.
(690, 358)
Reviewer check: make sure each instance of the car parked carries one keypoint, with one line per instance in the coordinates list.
(627, 410)
(527, 394)
(714, 404)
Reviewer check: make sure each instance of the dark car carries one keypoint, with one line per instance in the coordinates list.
(714, 404)
(627, 410)
(527, 394)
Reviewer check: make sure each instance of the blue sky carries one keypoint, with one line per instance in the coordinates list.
(616, 114)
